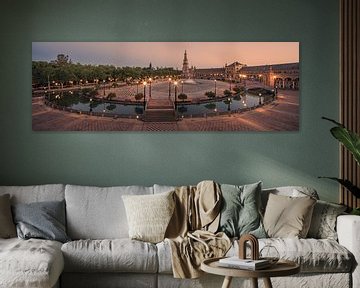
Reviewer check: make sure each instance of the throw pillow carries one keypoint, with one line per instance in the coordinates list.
(288, 217)
(149, 215)
(323, 222)
(240, 213)
(43, 220)
(7, 227)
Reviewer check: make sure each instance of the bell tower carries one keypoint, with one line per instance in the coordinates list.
(185, 68)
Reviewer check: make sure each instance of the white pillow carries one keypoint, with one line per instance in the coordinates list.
(149, 215)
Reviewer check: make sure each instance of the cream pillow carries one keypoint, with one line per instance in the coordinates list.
(288, 217)
(149, 215)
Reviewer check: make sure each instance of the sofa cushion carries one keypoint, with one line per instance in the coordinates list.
(149, 215)
(291, 191)
(7, 226)
(30, 263)
(313, 255)
(109, 280)
(323, 222)
(163, 188)
(287, 216)
(36, 193)
(43, 220)
(117, 255)
(240, 210)
(98, 213)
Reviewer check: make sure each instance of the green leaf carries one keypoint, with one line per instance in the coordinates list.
(355, 211)
(347, 184)
(333, 121)
(349, 139)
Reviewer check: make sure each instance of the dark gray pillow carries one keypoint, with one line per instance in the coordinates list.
(240, 213)
(44, 220)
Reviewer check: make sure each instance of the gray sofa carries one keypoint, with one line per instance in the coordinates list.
(101, 254)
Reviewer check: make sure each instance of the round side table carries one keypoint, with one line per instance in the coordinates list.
(281, 268)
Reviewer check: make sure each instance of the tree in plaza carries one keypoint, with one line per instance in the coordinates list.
(62, 59)
(42, 73)
(238, 89)
(111, 96)
(62, 70)
(62, 75)
(227, 93)
(210, 94)
(182, 96)
(139, 96)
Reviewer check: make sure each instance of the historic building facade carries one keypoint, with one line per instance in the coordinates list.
(284, 76)
(232, 71)
(210, 73)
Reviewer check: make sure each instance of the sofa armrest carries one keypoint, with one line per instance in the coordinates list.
(348, 230)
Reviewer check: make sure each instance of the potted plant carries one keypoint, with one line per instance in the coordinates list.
(351, 141)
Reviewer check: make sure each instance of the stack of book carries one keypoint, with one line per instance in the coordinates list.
(248, 264)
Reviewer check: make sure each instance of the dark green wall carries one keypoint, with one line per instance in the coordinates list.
(296, 158)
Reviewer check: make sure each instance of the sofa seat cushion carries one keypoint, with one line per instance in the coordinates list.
(115, 255)
(30, 263)
(98, 212)
(313, 255)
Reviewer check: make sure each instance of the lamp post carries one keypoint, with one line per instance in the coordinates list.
(104, 87)
(144, 83)
(137, 87)
(175, 83)
(230, 82)
(215, 87)
(90, 104)
(182, 86)
(48, 78)
(150, 87)
(169, 87)
(274, 77)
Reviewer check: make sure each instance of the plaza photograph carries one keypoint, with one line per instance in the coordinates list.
(165, 86)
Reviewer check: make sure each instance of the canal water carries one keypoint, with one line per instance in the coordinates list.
(79, 102)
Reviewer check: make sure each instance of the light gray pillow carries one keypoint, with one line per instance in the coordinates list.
(240, 213)
(323, 222)
(43, 220)
(7, 226)
(288, 217)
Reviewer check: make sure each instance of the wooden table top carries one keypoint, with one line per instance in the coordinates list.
(281, 268)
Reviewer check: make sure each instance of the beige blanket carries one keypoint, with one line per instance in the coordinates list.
(192, 227)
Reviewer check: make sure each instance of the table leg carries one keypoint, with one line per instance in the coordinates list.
(267, 283)
(227, 282)
(254, 282)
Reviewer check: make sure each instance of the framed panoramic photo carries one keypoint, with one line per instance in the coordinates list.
(165, 86)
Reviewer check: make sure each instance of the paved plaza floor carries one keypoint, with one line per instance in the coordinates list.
(281, 115)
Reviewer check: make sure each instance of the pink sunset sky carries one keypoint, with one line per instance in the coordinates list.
(169, 54)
